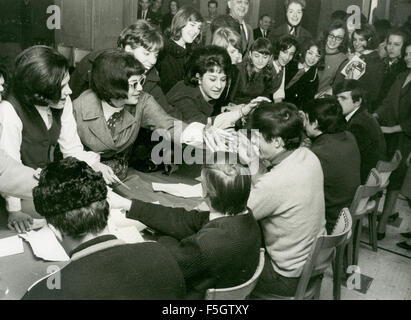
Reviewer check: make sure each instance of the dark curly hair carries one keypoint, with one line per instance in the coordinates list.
(283, 44)
(278, 120)
(204, 59)
(110, 73)
(72, 197)
(329, 114)
(39, 71)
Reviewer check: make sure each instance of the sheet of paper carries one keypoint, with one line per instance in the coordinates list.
(180, 189)
(45, 245)
(202, 207)
(123, 228)
(11, 246)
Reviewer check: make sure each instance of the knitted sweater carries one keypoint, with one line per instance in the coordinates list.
(219, 253)
(289, 203)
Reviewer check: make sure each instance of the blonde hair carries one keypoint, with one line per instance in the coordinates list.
(223, 37)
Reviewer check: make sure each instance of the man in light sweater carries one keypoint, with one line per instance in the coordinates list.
(288, 200)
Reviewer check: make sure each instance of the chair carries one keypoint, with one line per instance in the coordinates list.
(363, 206)
(319, 259)
(240, 292)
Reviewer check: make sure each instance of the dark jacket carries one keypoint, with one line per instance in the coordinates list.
(370, 140)
(171, 64)
(396, 110)
(166, 21)
(80, 79)
(391, 73)
(340, 160)
(258, 34)
(219, 253)
(304, 89)
(189, 104)
(141, 271)
(302, 34)
(372, 79)
(248, 88)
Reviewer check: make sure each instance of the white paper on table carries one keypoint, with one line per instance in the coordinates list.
(45, 245)
(123, 228)
(180, 189)
(11, 246)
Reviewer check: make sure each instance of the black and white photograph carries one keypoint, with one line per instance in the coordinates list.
(181, 151)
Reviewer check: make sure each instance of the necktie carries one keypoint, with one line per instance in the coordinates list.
(292, 31)
(112, 121)
(243, 31)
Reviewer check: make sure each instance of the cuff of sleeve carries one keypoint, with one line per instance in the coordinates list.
(193, 135)
(13, 204)
(134, 210)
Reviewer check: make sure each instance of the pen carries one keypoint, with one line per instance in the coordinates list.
(121, 183)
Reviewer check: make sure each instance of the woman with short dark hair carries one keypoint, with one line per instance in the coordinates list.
(110, 114)
(36, 118)
(338, 153)
(185, 29)
(208, 73)
(255, 77)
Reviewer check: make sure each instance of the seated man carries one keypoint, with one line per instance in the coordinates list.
(288, 200)
(72, 198)
(338, 152)
(215, 249)
(362, 125)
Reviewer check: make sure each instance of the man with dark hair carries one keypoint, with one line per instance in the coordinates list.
(362, 125)
(238, 9)
(145, 11)
(338, 153)
(72, 198)
(263, 30)
(208, 20)
(288, 200)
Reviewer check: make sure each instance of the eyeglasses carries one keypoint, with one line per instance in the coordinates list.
(335, 38)
(141, 81)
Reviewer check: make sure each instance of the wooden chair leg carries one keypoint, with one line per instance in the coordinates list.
(338, 265)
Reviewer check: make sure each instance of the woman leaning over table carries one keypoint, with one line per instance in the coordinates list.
(215, 249)
(36, 117)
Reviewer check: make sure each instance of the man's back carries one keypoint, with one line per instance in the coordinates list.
(340, 160)
(370, 140)
(142, 271)
(289, 202)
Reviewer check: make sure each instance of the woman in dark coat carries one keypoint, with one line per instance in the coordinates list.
(394, 116)
(185, 28)
(302, 78)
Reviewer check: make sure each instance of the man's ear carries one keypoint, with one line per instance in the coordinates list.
(56, 232)
(278, 142)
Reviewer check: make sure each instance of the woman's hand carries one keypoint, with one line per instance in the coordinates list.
(227, 119)
(20, 221)
(108, 173)
(254, 103)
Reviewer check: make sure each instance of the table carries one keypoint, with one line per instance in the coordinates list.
(20, 271)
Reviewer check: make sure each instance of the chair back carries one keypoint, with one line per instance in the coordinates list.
(240, 292)
(385, 168)
(322, 255)
(360, 204)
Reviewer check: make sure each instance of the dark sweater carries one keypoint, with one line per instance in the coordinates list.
(340, 160)
(219, 253)
(143, 271)
(188, 104)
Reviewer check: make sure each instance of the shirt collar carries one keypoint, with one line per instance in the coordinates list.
(108, 110)
(349, 116)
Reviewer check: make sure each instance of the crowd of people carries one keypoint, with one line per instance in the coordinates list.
(326, 111)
